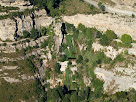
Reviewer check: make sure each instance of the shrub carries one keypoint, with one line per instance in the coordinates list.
(27, 40)
(99, 34)
(47, 73)
(4, 44)
(80, 59)
(14, 44)
(133, 16)
(90, 42)
(126, 39)
(44, 44)
(81, 27)
(101, 6)
(26, 34)
(69, 63)
(63, 58)
(57, 67)
(99, 61)
(100, 55)
(43, 31)
(34, 33)
(111, 35)
(92, 7)
(104, 40)
(63, 46)
(89, 33)
(69, 27)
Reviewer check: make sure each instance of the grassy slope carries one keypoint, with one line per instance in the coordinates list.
(72, 7)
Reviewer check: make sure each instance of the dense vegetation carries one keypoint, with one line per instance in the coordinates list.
(73, 87)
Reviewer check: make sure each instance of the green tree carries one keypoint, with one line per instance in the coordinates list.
(111, 35)
(104, 40)
(89, 43)
(88, 33)
(69, 27)
(34, 33)
(126, 39)
(81, 27)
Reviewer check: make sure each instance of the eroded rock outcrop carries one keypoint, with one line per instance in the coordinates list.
(114, 82)
(119, 24)
(9, 27)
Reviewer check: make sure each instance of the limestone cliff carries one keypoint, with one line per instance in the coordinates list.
(9, 27)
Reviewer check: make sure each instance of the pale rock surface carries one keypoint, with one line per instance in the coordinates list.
(108, 50)
(9, 67)
(73, 69)
(6, 59)
(115, 82)
(16, 3)
(87, 80)
(41, 19)
(133, 49)
(7, 29)
(10, 80)
(59, 36)
(25, 77)
(129, 71)
(63, 65)
(25, 23)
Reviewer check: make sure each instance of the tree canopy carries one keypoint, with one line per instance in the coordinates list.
(126, 39)
(111, 35)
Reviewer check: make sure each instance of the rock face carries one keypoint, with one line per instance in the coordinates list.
(114, 82)
(25, 23)
(8, 27)
(109, 51)
(120, 25)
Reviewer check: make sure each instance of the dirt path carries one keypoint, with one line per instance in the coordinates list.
(111, 9)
